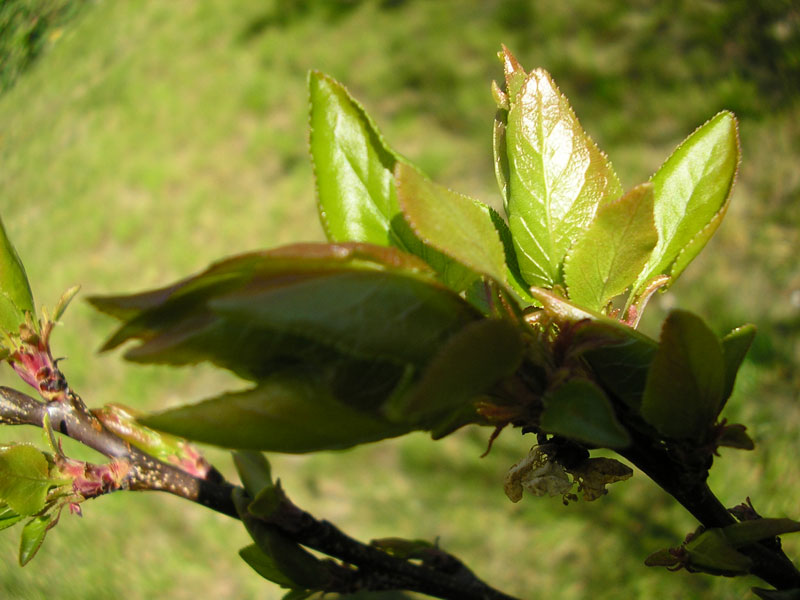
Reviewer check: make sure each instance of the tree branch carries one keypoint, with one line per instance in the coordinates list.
(440, 575)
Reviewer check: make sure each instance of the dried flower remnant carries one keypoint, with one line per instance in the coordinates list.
(537, 474)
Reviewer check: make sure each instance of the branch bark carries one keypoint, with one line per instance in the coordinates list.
(442, 577)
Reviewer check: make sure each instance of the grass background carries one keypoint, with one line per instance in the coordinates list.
(139, 141)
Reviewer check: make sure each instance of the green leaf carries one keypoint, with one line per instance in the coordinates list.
(711, 552)
(514, 79)
(24, 478)
(292, 413)
(459, 226)
(186, 300)
(15, 291)
(371, 315)
(749, 532)
(793, 594)
(33, 535)
(268, 500)
(734, 348)
(662, 558)
(466, 366)
(608, 258)
(557, 179)
(683, 393)
(301, 594)
(254, 470)
(8, 517)
(353, 166)
(292, 561)
(691, 192)
(265, 566)
(579, 410)
(620, 357)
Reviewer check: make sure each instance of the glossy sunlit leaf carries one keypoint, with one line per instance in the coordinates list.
(352, 164)
(24, 478)
(33, 535)
(514, 78)
(466, 366)
(15, 291)
(456, 225)
(683, 393)
(748, 532)
(734, 348)
(292, 413)
(579, 410)
(609, 257)
(557, 178)
(691, 192)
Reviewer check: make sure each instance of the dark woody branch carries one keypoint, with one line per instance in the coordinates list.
(364, 567)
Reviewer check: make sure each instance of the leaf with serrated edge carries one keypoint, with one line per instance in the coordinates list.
(285, 413)
(13, 285)
(456, 225)
(683, 393)
(691, 193)
(33, 535)
(615, 248)
(557, 178)
(579, 410)
(352, 164)
(24, 478)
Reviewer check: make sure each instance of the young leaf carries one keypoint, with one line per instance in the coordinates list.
(33, 535)
(292, 413)
(353, 166)
(579, 410)
(467, 365)
(711, 552)
(557, 179)
(793, 594)
(24, 478)
(254, 471)
(619, 356)
(292, 561)
(367, 314)
(15, 291)
(265, 566)
(683, 393)
(8, 517)
(607, 259)
(734, 348)
(691, 192)
(458, 226)
(748, 532)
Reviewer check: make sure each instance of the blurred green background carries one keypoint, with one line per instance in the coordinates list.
(141, 140)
